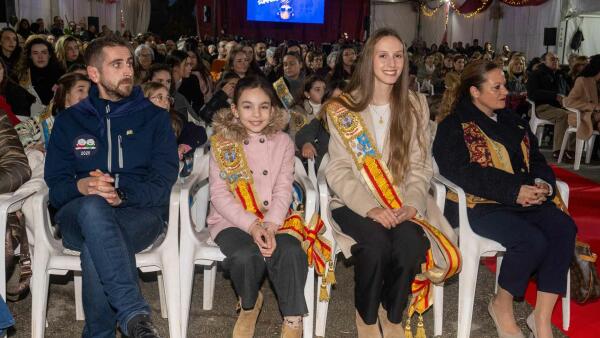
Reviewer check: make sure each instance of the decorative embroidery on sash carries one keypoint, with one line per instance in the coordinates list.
(234, 168)
(360, 145)
(283, 92)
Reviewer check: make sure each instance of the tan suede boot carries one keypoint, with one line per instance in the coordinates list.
(246, 322)
(390, 330)
(288, 331)
(366, 331)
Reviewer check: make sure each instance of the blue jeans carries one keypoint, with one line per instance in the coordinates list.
(108, 239)
(6, 319)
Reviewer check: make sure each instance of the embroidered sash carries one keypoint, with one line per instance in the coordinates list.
(235, 170)
(283, 92)
(489, 153)
(361, 146)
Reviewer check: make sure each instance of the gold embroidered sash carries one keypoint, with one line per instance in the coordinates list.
(232, 162)
(489, 153)
(361, 146)
(283, 92)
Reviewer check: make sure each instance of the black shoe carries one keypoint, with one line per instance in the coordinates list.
(141, 327)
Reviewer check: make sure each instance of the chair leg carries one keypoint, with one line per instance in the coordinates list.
(589, 149)
(498, 265)
(186, 273)
(3, 225)
(161, 295)
(208, 292)
(566, 305)
(77, 282)
(539, 133)
(309, 296)
(39, 298)
(170, 276)
(467, 282)
(563, 146)
(578, 153)
(438, 309)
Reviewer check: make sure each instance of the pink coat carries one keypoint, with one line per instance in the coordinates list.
(271, 159)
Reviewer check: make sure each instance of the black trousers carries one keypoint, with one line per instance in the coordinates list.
(538, 240)
(386, 262)
(287, 269)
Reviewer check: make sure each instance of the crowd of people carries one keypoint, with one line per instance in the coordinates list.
(114, 114)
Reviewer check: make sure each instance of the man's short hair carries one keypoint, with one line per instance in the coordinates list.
(93, 52)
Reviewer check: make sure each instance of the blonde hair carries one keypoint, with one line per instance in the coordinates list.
(404, 116)
(451, 83)
(511, 65)
(61, 50)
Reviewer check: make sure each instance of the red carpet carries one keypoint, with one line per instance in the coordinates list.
(584, 206)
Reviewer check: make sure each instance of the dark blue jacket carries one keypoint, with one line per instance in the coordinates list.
(131, 139)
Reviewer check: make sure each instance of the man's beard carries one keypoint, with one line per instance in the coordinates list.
(121, 90)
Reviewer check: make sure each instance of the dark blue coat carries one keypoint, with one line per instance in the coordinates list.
(131, 139)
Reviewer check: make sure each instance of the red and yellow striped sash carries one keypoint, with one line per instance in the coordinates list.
(361, 146)
(235, 170)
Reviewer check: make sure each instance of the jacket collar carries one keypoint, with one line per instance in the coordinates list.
(503, 130)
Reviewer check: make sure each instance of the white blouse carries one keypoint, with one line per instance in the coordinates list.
(380, 115)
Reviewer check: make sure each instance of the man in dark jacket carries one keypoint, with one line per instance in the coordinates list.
(111, 162)
(547, 88)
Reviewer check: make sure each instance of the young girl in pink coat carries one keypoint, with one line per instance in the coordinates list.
(251, 177)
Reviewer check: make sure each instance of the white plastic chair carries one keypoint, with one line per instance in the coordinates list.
(473, 247)
(197, 248)
(9, 202)
(535, 123)
(323, 306)
(51, 258)
(580, 145)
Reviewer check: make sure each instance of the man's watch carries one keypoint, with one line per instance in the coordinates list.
(122, 195)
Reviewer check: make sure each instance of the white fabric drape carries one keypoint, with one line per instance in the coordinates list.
(522, 28)
(433, 27)
(399, 16)
(136, 13)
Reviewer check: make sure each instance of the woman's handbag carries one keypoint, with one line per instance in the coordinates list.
(585, 285)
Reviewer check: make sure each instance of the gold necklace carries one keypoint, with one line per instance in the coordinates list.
(373, 111)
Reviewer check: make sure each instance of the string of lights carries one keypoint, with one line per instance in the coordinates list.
(477, 11)
(516, 2)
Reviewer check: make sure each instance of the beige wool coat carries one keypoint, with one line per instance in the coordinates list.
(351, 190)
(584, 97)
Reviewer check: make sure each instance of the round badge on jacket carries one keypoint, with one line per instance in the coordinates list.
(85, 146)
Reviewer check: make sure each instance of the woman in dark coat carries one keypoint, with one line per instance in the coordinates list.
(494, 157)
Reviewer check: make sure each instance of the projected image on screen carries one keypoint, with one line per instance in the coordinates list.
(295, 11)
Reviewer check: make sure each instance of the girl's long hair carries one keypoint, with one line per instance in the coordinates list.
(61, 52)
(64, 84)
(404, 116)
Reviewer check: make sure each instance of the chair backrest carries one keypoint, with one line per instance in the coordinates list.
(194, 197)
(201, 159)
(312, 171)
(533, 114)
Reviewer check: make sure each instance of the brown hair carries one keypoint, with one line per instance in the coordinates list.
(64, 84)
(231, 56)
(226, 124)
(22, 67)
(404, 116)
(474, 75)
(149, 88)
(577, 62)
